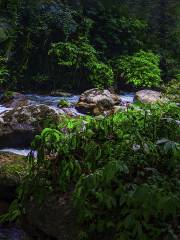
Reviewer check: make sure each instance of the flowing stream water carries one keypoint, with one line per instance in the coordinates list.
(12, 232)
(53, 102)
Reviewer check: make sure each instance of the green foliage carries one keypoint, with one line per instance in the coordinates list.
(125, 169)
(36, 24)
(141, 69)
(113, 32)
(101, 75)
(40, 78)
(77, 54)
(172, 90)
(3, 70)
(113, 28)
(80, 57)
(63, 103)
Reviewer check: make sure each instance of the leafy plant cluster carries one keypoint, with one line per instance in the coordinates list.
(124, 170)
(114, 33)
(172, 90)
(63, 103)
(141, 69)
(3, 70)
(81, 59)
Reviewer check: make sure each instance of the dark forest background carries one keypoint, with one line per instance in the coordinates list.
(102, 31)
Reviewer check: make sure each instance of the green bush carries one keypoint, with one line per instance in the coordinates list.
(101, 75)
(114, 32)
(40, 78)
(74, 54)
(172, 90)
(125, 169)
(81, 59)
(63, 103)
(141, 69)
(3, 70)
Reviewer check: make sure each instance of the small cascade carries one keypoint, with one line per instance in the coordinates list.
(127, 97)
(3, 109)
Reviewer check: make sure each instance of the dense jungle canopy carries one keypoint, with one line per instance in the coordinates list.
(94, 35)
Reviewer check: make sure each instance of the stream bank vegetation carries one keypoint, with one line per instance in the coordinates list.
(123, 169)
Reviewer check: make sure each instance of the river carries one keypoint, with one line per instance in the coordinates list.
(51, 101)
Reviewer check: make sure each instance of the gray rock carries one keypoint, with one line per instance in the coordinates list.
(19, 126)
(14, 100)
(169, 120)
(97, 102)
(148, 96)
(12, 170)
(55, 217)
(162, 141)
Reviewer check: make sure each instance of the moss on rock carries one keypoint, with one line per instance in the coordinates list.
(12, 170)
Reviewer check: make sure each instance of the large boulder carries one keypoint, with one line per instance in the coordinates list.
(13, 168)
(97, 102)
(55, 217)
(13, 100)
(148, 96)
(19, 126)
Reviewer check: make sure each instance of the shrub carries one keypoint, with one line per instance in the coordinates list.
(74, 54)
(114, 33)
(81, 59)
(63, 103)
(141, 69)
(40, 78)
(172, 90)
(3, 70)
(101, 75)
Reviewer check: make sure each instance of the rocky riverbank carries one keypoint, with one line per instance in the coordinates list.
(24, 116)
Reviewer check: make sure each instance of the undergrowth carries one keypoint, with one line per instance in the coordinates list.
(124, 170)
